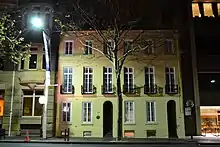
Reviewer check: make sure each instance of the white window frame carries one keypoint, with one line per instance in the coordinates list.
(33, 97)
(111, 43)
(149, 73)
(128, 74)
(70, 111)
(87, 74)
(89, 47)
(69, 49)
(170, 73)
(168, 50)
(68, 75)
(132, 118)
(107, 74)
(87, 114)
(150, 48)
(149, 112)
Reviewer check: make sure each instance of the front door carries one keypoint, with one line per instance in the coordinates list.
(171, 118)
(107, 119)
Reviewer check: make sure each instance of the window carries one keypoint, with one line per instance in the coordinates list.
(31, 105)
(87, 112)
(88, 80)
(67, 79)
(33, 61)
(149, 76)
(150, 46)
(66, 111)
(88, 47)
(129, 114)
(68, 47)
(170, 75)
(22, 64)
(108, 47)
(127, 46)
(170, 80)
(43, 62)
(107, 80)
(151, 111)
(169, 46)
(128, 79)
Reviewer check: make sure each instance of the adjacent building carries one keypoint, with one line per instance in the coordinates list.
(151, 83)
(206, 27)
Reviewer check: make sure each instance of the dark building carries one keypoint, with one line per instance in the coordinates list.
(207, 33)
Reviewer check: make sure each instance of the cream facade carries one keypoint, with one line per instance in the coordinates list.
(23, 101)
(152, 99)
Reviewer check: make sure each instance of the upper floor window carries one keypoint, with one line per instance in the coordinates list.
(149, 76)
(88, 80)
(108, 47)
(43, 62)
(88, 47)
(33, 61)
(66, 111)
(128, 79)
(150, 46)
(169, 49)
(107, 80)
(67, 79)
(171, 86)
(127, 46)
(68, 47)
(22, 64)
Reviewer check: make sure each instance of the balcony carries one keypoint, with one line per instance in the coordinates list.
(129, 89)
(150, 89)
(67, 91)
(171, 89)
(85, 89)
(108, 89)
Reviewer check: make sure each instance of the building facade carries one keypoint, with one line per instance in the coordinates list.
(206, 27)
(151, 84)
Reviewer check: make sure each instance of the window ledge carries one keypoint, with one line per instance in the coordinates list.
(86, 124)
(131, 123)
(64, 122)
(152, 123)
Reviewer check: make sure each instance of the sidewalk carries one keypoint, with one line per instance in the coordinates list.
(19, 139)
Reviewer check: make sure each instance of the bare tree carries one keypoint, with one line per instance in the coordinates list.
(113, 31)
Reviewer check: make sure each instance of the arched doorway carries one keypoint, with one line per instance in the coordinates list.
(171, 119)
(107, 119)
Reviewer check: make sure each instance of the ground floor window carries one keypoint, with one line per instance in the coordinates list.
(31, 106)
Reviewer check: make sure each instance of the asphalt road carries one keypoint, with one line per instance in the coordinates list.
(94, 145)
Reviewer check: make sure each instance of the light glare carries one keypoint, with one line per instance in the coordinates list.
(37, 22)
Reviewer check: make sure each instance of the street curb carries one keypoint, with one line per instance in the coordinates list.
(101, 142)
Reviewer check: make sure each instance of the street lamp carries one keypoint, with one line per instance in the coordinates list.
(37, 23)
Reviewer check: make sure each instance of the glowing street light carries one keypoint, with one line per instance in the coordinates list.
(212, 81)
(37, 23)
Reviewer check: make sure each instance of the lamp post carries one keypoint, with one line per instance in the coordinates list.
(38, 24)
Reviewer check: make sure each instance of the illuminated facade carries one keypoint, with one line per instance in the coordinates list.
(86, 100)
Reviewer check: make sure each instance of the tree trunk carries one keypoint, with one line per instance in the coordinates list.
(120, 101)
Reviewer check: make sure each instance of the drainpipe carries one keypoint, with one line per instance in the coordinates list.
(12, 99)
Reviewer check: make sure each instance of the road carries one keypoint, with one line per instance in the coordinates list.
(95, 145)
